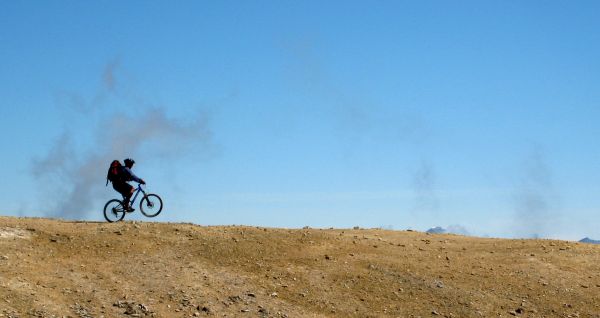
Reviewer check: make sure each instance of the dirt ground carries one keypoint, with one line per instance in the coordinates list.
(57, 268)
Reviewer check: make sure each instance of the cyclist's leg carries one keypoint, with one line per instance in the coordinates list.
(126, 190)
(127, 193)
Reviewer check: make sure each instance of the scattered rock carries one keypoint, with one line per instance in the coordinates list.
(81, 311)
(519, 310)
(134, 309)
(516, 312)
(263, 311)
(235, 299)
(204, 309)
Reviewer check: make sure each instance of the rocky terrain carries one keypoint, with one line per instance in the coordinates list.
(57, 268)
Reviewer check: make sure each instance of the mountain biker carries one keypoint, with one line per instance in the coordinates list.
(124, 188)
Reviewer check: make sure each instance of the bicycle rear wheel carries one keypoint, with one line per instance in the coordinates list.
(114, 211)
(151, 205)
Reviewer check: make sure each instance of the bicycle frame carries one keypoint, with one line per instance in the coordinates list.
(138, 190)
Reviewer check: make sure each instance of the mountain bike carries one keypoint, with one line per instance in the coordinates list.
(150, 205)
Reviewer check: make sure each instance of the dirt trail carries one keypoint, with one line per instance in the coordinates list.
(54, 268)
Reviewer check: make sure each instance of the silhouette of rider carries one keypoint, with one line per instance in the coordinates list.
(124, 188)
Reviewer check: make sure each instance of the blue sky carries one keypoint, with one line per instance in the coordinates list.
(481, 115)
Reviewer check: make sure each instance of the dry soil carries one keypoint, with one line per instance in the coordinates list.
(57, 268)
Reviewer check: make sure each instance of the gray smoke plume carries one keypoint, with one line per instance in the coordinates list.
(536, 200)
(423, 185)
(109, 76)
(458, 229)
(74, 176)
(80, 174)
(70, 102)
(54, 162)
(355, 117)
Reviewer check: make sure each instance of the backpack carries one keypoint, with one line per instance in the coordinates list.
(114, 172)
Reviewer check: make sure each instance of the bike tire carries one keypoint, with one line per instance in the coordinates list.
(151, 205)
(114, 211)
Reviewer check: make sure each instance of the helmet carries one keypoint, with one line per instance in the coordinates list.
(129, 162)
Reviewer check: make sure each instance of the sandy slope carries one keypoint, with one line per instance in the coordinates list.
(53, 268)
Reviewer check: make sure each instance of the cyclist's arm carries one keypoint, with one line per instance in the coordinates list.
(133, 177)
(136, 178)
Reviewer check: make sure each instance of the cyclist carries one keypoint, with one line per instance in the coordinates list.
(124, 188)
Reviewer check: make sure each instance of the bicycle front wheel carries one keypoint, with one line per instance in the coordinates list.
(114, 211)
(151, 205)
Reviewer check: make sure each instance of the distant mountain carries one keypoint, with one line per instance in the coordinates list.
(436, 230)
(452, 229)
(589, 240)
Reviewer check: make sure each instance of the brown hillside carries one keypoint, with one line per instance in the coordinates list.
(54, 268)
